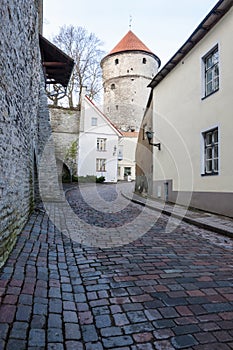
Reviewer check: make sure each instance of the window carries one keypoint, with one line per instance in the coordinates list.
(144, 60)
(93, 121)
(211, 68)
(144, 132)
(101, 144)
(116, 61)
(100, 164)
(127, 171)
(120, 152)
(211, 152)
(113, 86)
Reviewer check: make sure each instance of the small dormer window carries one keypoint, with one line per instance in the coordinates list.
(93, 121)
(113, 86)
(144, 60)
(116, 61)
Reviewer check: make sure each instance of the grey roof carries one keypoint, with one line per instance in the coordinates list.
(218, 11)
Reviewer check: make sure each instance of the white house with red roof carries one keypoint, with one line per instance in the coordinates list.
(98, 144)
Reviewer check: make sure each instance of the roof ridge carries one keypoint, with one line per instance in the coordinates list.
(103, 115)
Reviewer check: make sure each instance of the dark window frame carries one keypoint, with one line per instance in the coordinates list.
(211, 152)
(211, 72)
(101, 164)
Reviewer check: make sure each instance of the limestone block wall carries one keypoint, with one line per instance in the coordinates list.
(23, 115)
(65, 125)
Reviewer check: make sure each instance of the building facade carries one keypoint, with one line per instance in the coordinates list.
(192, 118)
(98, 144)
(126, 156)
(144, 154)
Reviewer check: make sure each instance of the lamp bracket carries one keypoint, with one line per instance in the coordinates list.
(156, 145)
(149, 135)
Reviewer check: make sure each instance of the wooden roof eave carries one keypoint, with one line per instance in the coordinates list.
(56, 64)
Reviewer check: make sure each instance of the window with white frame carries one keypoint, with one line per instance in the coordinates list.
(101, 144)
(100, 164)
(211, 72)
(211, 152)
(93, 121)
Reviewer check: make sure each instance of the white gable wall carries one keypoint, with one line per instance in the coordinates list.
(88, 152)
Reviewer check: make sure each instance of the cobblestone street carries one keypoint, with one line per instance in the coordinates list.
(138, 286)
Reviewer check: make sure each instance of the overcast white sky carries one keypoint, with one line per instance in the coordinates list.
(163, 25)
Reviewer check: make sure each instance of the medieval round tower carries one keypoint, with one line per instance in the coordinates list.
(127, 70)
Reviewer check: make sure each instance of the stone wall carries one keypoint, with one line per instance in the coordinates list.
(23, 114)
(65, 125)
(125, 87)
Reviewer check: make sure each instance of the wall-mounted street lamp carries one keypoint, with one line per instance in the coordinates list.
(149, 135)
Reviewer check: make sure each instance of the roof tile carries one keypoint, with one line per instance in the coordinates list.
(130, 42)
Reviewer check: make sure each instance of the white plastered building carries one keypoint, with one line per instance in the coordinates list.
(98, 144)
(192, 118)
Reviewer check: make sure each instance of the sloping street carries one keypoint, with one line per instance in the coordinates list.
(130, 279)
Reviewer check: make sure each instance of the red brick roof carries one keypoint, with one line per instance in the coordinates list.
(130, 133)
(130, 42)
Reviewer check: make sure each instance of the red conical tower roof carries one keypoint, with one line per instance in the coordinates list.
(130, 42)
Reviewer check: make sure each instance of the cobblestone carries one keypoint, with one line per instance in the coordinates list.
(161, 290)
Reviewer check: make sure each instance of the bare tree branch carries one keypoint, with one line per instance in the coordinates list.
(85, 49)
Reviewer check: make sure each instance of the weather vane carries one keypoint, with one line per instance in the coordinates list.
(130, 21)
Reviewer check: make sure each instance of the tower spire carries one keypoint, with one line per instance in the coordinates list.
(130, 21)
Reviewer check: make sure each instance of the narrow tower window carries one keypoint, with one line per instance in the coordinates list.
(116, 61)
(113, 86)
(144, 60)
